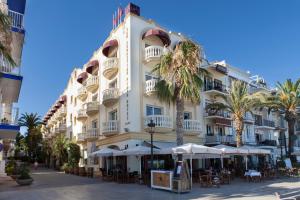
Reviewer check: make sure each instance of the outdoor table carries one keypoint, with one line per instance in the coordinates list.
(253, 175)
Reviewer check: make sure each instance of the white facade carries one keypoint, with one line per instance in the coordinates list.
(112, 106)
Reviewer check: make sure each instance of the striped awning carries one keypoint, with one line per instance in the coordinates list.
(108, 45)
(82, 77)
(93, 65)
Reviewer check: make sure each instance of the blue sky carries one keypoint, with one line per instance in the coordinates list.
(262, 36)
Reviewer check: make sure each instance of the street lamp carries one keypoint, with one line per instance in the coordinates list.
(151, 125)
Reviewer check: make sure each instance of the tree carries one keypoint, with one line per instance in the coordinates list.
(33, 136)
(60, 145)
(286, 100)
(6, 38)
(238, 102)
(180, 79)
(73, 155)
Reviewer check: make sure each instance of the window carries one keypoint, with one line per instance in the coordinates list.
(248, 133)
(113, 115)
(95, 97)
(153, 110)
(71, 117)
(150, 77)
(113, 84)
(94, 124)
(75, 101)
(71, 99)
(221, 131)
(74, 121)
(187, 115)
(209, 130)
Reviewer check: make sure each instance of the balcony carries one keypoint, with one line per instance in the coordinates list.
(81, 114)
(153, 53)
(63, 111)
(215, 89)
(81, 137)
(16, 20)
(264, 124)
(6, 67)
(92, 108)
(268, 143)
(56, 131)
(9, 123)
(110, 128)
(82, 93)
(217, 139)
(92, 134)
(218, 114)
(150, 87)
(62, 128)
(110, 67)
(57, 116)
(163, 123)
(92, 84)
(110, 96)
(192, 127)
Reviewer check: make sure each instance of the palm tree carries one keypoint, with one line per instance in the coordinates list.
(31, 121)
(286, 100)
(6, 38)
(59, 148)
(180, 79)
(238, 102)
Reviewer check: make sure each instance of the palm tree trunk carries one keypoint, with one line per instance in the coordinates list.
(291, 131)
(239, 126)
(179, 120)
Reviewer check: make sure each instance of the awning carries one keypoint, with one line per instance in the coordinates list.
(93, 65)
(228, 150)
(163, 36)
(105, 152)
(63, 99)
(108, 45)
(138, 150)
(57, 105)
(82, 77)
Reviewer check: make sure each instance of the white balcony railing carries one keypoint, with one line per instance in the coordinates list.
(82, 93)
(92, 107)
(92, 82)
(150, 86)
(110, 63)
(92, 133)
(216, 139)
(9, 116)
(6, 67)
(192, 125)
(80, 137)
(153, 52)
(111, 93)
(62, 127)
(81, 113)
(110, 126)
(161, 121)
(16, 19)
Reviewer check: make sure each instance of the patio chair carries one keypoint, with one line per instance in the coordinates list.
(205, 180)
(225, 178)
(82, 171)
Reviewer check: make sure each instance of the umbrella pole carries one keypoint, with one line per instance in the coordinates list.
(140, 166)
(222, 162)
(191, 166)
(106, 165)
(246, 162)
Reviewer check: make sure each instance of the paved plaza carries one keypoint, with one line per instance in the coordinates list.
(50, 184)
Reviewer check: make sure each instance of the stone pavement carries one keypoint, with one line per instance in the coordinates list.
(49, 185)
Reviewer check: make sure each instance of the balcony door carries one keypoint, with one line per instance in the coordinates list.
(94, 124)
(113, 115)
(153, 110)
(208, 83)
(187, 115)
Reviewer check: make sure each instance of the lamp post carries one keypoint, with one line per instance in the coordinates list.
(151, 125)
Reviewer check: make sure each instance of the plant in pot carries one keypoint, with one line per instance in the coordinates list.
(24, 178)
(11, 169)
(66, 168)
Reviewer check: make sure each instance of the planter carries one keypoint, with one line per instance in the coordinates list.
(76, 171)
(23, 182)
(14, 176)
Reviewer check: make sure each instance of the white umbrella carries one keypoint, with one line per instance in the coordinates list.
(253, 150)
(296, 153)
(231, 150)
(191, 148)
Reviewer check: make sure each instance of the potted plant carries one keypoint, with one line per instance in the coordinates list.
(66, 168)
(24, 178)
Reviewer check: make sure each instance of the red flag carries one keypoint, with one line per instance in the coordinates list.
(120, 13)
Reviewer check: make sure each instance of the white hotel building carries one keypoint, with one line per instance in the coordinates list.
(109, 101)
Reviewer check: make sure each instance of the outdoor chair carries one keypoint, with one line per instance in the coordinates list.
(205, 180)
(90, 172)
(105, 176)
(225, 178)
(82, 171)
